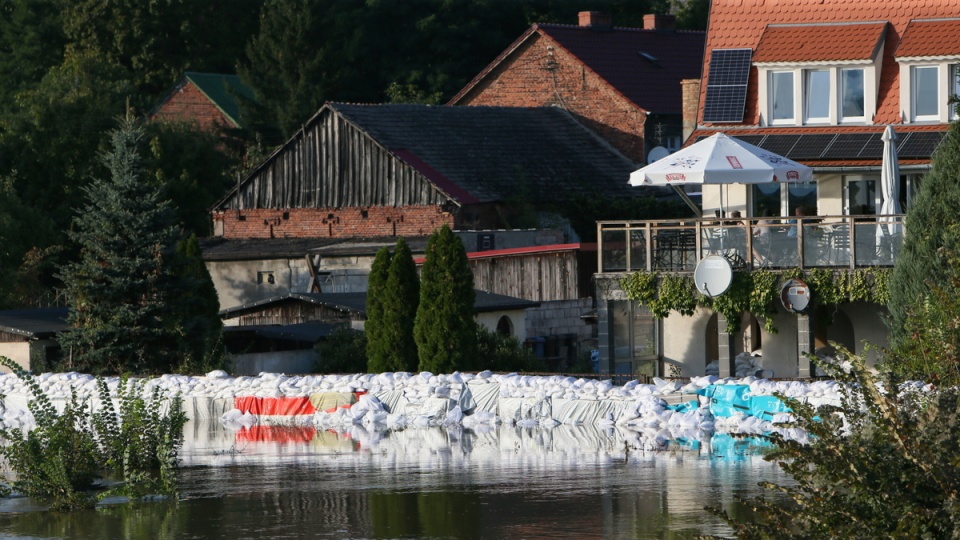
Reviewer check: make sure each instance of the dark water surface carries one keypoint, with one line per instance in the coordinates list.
(565, 482)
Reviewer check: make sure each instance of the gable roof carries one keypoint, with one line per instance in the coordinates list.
(930, 38)
(482, 154)
(36, 323)
(222, 90)
(644, 66)
(356, 302)
(741, 24)
(819, 42)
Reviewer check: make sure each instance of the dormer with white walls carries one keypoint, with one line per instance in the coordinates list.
(929, 59)
(819, 74)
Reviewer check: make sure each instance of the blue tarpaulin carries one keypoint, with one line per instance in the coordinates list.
(729, 399)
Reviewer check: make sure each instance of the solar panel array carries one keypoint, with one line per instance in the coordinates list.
(843, 146)
(727, 85)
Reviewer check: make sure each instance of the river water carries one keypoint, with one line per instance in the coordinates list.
(498, 482)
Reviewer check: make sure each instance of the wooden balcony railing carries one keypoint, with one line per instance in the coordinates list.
(750, 243)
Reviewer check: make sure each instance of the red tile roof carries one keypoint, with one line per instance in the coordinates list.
(741, 23)
(930, 38)
(644, 66)
(819, 42)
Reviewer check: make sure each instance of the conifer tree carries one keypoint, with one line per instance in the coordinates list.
(198, 307)
(445, 330)
(377, 354)
(122, 287)
(400, 301)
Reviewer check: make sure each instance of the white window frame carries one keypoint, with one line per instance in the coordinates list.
(858, 119)
(947, 85)
(915, 94)
(807, 94)
(870, 87)
(793, 97)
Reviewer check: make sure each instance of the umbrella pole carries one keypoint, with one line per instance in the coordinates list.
(683, 195)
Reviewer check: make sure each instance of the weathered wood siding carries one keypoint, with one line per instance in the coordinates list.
(295, 313)
(539, 277)
(331, 164)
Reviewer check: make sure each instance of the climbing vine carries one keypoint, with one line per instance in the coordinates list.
(755, 292)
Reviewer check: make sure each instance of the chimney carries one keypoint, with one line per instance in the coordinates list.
(658, 22)
(691, 104)
(596, 20)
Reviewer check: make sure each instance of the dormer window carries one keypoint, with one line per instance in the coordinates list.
(929, 56)
(832, 83)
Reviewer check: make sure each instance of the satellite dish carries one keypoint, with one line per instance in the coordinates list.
(795, 295)
(713, 275)
(657, 153)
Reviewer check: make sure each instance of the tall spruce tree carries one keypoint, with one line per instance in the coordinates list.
(123, 286)
(445, 330)
(377, 355)
(197, 309)
(401, 298)
(925, 273)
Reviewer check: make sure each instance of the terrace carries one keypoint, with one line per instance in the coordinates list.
(750, 243)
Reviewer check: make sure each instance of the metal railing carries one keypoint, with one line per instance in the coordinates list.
(750, 243)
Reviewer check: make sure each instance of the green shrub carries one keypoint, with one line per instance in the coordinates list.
(498, 352)
(62, 459)
(345, 351)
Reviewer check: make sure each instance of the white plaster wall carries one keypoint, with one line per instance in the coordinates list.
(685, 342)
(517, 316)
(288, 362)
(734, 198)
(18, 352)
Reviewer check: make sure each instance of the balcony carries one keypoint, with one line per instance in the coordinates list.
(750, 243)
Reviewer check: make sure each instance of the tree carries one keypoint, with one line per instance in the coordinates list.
(883, 464)
(925, 273)
(378, 357)
(445, 330)
(401, 298)
(197, 313)
(124, 287)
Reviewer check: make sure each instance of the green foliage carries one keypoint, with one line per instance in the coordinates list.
(444, 330)
(196, 313)
(498, 352)
(345, 351)
(882, 464)
(62, 459)
(378, 355)
(402, 296)
(757, 292)
(127, 299)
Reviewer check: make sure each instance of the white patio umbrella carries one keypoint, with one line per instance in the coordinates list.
(890, 181)
(720, 160)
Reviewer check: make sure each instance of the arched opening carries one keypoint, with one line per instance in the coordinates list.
(712, 341)
(505, 326)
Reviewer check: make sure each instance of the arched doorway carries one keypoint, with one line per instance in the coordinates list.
(505, 326)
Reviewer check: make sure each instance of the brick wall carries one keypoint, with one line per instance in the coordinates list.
(542, 73)
(371, 222)
(188, 104)
(691, 102)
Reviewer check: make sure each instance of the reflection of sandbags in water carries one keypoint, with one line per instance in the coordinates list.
(280, 434)
(329, 439)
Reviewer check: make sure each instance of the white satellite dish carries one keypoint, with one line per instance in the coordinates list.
(657, 153)
(713, 275)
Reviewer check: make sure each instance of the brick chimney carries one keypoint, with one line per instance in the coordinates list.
(691, 104)
(596, 20)
(657, 22)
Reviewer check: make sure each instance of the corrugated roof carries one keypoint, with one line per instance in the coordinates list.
(494, 153)
(819, 42)
(930, 38)
(356, 302)
(34, 323)
(741, 23)
(222, 90)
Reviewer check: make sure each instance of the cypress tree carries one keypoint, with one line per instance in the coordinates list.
(122, 287)
(924, 279)
(445, 330)
(377, 353)
(401, 298)
(199, 323)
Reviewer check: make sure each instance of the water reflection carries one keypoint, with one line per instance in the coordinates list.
(505, 482)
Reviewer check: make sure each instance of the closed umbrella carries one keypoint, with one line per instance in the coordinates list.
(890, 182)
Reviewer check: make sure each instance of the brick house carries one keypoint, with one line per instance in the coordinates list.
(208, 100)
(818, 82)
(313, 215)
(622, 83)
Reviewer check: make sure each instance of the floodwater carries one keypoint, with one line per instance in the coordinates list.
(271, 482)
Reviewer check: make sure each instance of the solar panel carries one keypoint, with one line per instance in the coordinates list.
(727, 85)
(919, 144)
(750, 139)
(779, 144)
(810, 146)
(873, 148)
(846, 146)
